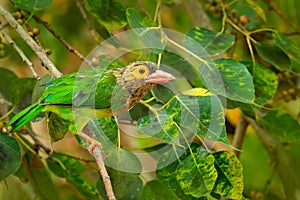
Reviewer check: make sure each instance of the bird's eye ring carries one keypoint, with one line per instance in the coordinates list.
(141, 72)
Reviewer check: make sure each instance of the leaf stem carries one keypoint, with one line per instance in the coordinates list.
(156, 14)
(24, 143)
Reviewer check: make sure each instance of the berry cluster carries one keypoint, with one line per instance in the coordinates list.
(3, 51)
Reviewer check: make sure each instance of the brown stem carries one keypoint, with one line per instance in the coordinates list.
(39, 51)
(239, 134)
(87, 21)
(197, 13)
(95, 151)
(65, 43)
(271, 7)
(283, 160)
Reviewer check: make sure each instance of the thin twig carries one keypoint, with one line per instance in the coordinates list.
(87, 21)
(142, 8)
(239, 134)
(65, 43)
(20, 52)
(39, 51)
(95, 151)
(38, 143)
(197, 14)
(271, 7)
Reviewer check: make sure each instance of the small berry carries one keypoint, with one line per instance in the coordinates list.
(227, 31)
(252, 193)
(95, 61)
(20, 21)
(244, 19)
(212, 9)
(2, 53)
(284, 92)
(25, 13)
(219, 7)
(207, 6)
(234, 13)
(17, 15)
(36, 31)
(2, 46)
(48, 51)
(227, 6)
(31, 34)
(1, 124)
(259, 196)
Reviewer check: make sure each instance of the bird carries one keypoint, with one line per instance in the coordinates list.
(93, 93)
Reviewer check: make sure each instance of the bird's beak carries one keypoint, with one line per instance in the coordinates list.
(159, 77)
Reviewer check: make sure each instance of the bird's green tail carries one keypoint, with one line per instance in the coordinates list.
(25, 116)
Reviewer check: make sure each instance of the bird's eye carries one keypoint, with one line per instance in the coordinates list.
(141, 72)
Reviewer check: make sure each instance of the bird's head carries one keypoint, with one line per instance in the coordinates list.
(142, 74)
(138, 78)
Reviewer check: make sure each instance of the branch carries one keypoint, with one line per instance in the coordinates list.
(65, 43)
(87, 21)
(39, 51)
(282, 158)
(239, 134)
(197, 13)
(95, 151)
(20, 52)
(282, 16)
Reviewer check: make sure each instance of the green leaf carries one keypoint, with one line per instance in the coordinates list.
(136, 21)
(287, 45)
(201, 115)
(282, 126)
(150, 36)
(183, 67)
(105, 131)
(158, 191)
(109, 13)
(7, 77)
(71, 169)
(168, 163)
(265, 83)
(274, 55)
(123, 160)
(21, 91)
(123, 183)
(197, 175)
(33, 5)
(260, 12)
(134, 191)
(237, 80)
(57, 127)
(214, 43)
(40, 178)
(229, 183)
(10, 156)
